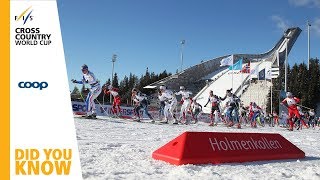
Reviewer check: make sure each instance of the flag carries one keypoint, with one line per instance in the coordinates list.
(236, 66)
(278, 60)
(274, 72)
(262, 74)
(254, 71)
(246, 68)
(228, 61)
(268, 72)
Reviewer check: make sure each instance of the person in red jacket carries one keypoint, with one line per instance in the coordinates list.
(275, 118)
(116, 110)
(291, 103)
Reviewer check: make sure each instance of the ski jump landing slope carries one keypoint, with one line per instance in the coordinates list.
(220, 85)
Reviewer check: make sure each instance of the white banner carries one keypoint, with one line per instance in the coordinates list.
(79, 108)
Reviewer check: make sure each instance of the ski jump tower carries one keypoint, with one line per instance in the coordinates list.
(207, 75)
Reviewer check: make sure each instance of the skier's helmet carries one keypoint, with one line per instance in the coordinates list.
(134, 90)
(162, 88)
(182, 88)
(289, 94)
(84, 67)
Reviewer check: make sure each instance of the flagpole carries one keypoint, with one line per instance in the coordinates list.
(250, 81)
(271, 95)
(232, 72)
(308, 24)
(265, 75)
(259, 84)
(286, 67)
(250, 86)
(241, 82)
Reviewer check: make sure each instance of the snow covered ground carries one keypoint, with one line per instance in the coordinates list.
(118, 149)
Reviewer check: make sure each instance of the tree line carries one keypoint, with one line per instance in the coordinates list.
(303, 83)
(125, 86)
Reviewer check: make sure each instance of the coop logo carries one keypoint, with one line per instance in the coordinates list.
(25, 16)
(36, 85)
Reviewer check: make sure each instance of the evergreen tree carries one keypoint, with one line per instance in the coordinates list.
(313, 88)
(75, 91)
(132, 80)
(108, 82)
(75, 94)
(115, 82)
(103, 98)
(153, 77)
(125, 90)
(164, 74)
(147, 77)
(303, 83)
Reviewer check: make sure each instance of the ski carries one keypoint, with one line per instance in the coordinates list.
(85, 117)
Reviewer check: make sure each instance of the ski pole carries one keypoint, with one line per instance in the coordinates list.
(80, 93)
(284, 106)
(103, 94)
(102, 107)
(303, 106)
(103, 98)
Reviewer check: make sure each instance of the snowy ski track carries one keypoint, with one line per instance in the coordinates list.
(118, 149)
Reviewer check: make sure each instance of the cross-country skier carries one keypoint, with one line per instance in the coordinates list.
(244, 113)
(214, 100)
(116, 110)
(186, 103)
(141, 101)
(291, 103)
(312, 120)
(297, 121)
(161, 105)
(232, 104)
(170, 104)
(283, 119)
(275, 118)
(255, 110)
(95, 89)
(196, 109)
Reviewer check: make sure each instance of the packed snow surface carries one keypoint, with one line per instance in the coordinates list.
(119, 149)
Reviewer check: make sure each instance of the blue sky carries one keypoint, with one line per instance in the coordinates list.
(147, 33)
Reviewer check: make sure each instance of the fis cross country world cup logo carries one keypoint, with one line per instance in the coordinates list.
(25, 16)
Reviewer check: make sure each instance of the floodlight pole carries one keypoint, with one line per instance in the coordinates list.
(286, 66)
(114, 58)
(182, 45)
(308, 24)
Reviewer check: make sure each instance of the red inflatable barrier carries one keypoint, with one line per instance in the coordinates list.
(218, 147)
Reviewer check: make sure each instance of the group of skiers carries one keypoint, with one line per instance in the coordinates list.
(168, 105)
(168, 101)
